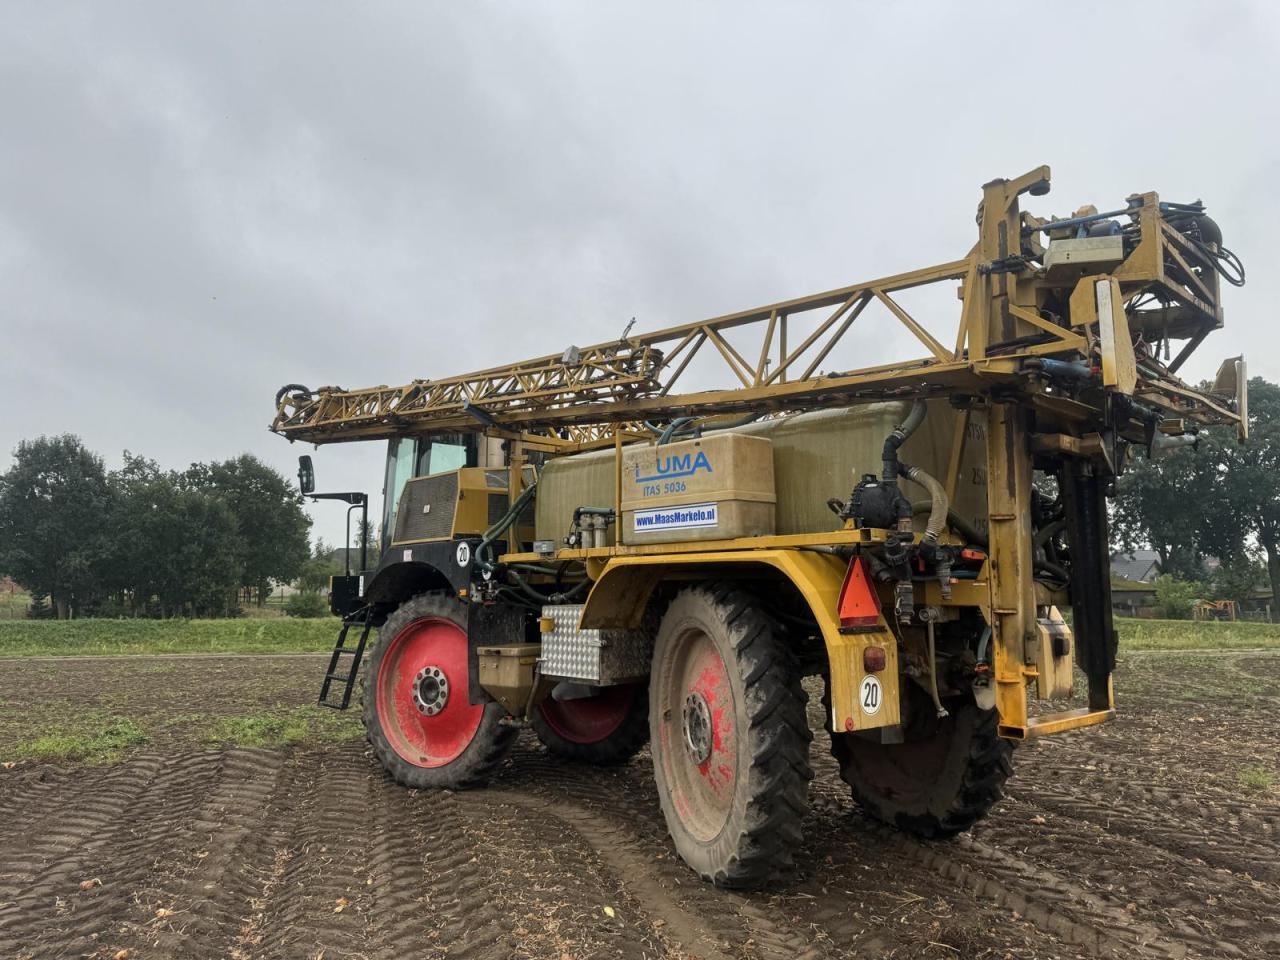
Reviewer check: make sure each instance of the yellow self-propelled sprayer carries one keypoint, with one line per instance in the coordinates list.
(573, 544)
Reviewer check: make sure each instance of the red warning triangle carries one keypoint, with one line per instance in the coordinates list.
(859, 605)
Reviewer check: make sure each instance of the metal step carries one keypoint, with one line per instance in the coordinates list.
(348, 679)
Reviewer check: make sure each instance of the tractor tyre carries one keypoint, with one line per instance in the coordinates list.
(606, 729)
(942, 779)
(729, 737)
(416, 706)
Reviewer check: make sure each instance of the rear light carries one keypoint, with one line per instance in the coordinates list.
(859, 606)
(873, 659)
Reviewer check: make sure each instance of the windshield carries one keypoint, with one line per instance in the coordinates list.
(438, 455)
(418, 457)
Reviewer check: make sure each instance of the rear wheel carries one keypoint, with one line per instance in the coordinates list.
(944, 777)
(416, 707)
(607, 728)
(729, 736)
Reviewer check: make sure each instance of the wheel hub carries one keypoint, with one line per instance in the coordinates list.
(430, 690)
(697, 727)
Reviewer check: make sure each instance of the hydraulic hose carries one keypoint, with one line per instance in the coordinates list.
(1047, 533)
(679, 429)
(499, 528)
(898, 437)
(673, 428)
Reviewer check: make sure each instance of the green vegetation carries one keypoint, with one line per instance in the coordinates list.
(1217, 499)
(24, 638)
(1255, 778)
(1175, 598)
(93, 740)
(145, 541)
(306, 605)
(96, 737)
(1193, 634)
(300, 725)
(14, 606)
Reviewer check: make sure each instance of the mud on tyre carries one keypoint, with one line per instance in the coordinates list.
(946, 775)
(415, 704)
(729, 736)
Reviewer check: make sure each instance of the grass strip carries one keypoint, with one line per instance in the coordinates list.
(29, 638)
(105, 744)
(1136, 634)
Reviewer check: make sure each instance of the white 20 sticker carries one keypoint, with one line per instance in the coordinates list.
(869, 695)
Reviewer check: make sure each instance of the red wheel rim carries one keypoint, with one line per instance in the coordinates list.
(698, 699)
(590, 719)
(435, 647)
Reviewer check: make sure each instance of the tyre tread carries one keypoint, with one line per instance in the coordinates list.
(988, 765)
(779, 773)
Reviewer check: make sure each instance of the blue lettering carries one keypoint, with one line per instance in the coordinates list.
(680, 465)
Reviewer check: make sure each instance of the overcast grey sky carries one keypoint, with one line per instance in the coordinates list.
(199, 203)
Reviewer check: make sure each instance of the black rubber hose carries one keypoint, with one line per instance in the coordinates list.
(955, 521)
(898, 437)
(291, 388)
(492, 534)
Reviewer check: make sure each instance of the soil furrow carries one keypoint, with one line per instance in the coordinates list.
(1142, 839)
(221, 862)
(124, 836)
(594, 801)
(320, 902)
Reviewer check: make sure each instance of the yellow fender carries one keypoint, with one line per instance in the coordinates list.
(624, 585)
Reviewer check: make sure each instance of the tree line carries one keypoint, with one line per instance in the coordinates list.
(142, 541)
(1219, 499)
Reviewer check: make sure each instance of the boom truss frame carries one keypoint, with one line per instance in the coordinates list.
(584, 396)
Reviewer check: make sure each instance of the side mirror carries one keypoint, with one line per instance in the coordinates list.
(306, 474)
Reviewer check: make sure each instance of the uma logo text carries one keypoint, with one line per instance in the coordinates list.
(676, 465)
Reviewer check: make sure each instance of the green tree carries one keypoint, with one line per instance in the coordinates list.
(367, 537)
(142, 498)
(207, 555)
(1216, 500)
(176, 546)
(1238, 578)
(316, 572)
(1160, 503)
(54, 506)
(1175, 597)
(269, 517)
(1245, 503)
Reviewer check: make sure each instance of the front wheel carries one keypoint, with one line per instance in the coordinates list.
(729, 736)
(416, 706)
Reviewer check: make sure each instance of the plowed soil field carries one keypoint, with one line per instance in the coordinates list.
(1154, 836)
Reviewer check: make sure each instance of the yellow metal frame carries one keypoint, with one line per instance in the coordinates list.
(623, 586)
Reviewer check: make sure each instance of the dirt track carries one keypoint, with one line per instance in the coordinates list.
(1135, 840)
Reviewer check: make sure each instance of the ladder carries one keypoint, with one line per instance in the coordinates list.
(364, 620)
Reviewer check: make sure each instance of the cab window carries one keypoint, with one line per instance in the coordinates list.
(402, 455)
(442, 452)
